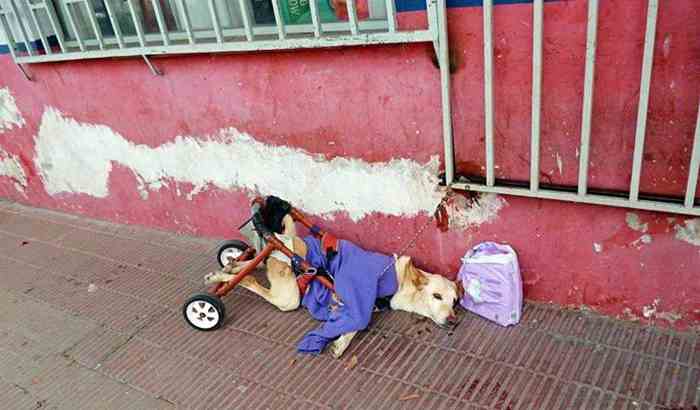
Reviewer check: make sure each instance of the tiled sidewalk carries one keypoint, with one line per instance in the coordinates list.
(90, 319)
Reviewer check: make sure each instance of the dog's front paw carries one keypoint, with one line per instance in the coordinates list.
(336, 349)
(210, 278)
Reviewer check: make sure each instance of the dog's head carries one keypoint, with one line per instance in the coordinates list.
(436, 294)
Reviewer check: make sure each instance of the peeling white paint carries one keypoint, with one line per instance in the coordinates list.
(689, 231)
(644, 239)
(649, 311)
(560, 164)
(12, 168)
(670, 317)
(10, 116)
(635, 223)
(597, 247)
(464, 213)
(76, 157)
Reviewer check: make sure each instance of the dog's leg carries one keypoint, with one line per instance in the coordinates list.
(217, 277)
(225, 274)
(341, 344)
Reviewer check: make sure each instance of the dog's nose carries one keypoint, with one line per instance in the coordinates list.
(452, 320)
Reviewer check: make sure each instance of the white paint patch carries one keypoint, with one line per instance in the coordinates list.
(464, 213)
(560, 164)
(666, 47)
(644, 239)
(689, 232)
(649, 311)
(12, 168)
(76, 157)
(597, 247)
(635, 223)
(10, 116)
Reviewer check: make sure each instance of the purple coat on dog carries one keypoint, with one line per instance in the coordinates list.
(360, 278)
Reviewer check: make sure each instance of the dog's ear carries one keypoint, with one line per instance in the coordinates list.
(416, 277)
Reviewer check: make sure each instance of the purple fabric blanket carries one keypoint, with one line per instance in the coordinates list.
(358, 283)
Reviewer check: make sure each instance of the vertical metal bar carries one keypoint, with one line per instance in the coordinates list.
(115, 23)
(161, 22)
(488, 90)
(5, 27)
(71, 21)
(40, 32)
(137, 23)
(247, 21)
(391, 15)
(588, 96)
(186, 21)
(57, 29)
(444, 61)
(315, 18)
(352, 16)
(647, 64)
(694, 166)
(22, 28)
(279, 20)
(93, 22)
(215, 21)
(537, 13)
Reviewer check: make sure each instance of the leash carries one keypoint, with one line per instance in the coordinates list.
(440, 215)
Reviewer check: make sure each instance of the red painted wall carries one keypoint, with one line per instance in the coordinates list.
(384, 102)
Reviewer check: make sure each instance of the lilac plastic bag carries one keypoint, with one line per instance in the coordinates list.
(493, 287)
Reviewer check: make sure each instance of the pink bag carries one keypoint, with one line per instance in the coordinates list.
(493, 287)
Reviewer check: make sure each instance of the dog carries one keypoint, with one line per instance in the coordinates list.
(420, 292)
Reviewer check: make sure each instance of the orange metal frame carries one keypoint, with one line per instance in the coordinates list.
(274, 244)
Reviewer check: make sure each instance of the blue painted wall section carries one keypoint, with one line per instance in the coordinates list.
(416, 5)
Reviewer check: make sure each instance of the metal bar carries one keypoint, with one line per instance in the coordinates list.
(352, 16)
(537, 13)
(115, 23)
(373, 26)
(279, 21)
(162, 27)
(44, 42)
(186, 21)
(380, 38)
(215, 20)
(249, 267)
(5, 27)
(137, 23)
(391, 15)
(71, 21)
(150, 65)
(694, 167)
(55, 25)
(315, 18)
(588, 96)
(488, 90)
(647, 64)
(22, 28)
(587, 199)
(444, 60)
(433, 25)
(93, 22)
(24, 72)
(247, 21)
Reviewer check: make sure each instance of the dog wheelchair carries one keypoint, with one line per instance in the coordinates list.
(206, 311)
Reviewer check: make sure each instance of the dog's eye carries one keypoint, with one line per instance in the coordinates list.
(437, 296)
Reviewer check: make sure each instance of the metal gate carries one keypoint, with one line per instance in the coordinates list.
(582, 192)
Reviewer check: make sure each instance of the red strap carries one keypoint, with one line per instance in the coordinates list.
(329, 242)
